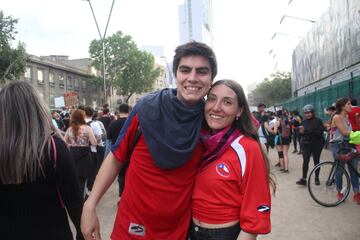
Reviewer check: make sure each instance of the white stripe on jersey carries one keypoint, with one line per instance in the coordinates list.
(241, 153)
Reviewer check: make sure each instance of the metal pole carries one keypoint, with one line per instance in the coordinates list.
(103, 57)
(102, 38)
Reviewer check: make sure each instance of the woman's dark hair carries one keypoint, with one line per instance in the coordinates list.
(245, 122)
(340, 103)
(195, 49)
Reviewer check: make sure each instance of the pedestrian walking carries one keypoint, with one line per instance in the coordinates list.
(38, 180)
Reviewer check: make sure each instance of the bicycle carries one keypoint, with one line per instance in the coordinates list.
(324, 191)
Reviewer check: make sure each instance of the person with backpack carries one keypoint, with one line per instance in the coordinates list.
(266, 133)
(97, 151)
(80, 138)
(283, 140)
(156, 201)
(312, 130)
(295, 123)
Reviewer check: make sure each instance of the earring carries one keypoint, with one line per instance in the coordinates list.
(237, 118)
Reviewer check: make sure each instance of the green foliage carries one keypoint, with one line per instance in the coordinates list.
(274, 90)
(12, 61)
(127, 68)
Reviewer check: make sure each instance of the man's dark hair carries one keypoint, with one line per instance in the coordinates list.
(105, 111)
(331, 108)
(89, 111)
(195, 49)
(124, 108)
(261, 105)
(353, 101)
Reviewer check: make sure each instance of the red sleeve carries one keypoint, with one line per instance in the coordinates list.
(122, 145)
(255, 191)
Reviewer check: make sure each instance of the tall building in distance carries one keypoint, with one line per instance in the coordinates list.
(195, 20)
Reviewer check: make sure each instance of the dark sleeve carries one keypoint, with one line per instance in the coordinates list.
(68, 184)
(110, 130)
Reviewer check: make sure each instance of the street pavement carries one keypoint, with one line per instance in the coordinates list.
(294, 214)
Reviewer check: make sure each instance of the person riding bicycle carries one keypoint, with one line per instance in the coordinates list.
(340, 131)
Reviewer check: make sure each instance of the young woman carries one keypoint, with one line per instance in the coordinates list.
(79, 137)
(312, 130)
(37, 175)
(231, 198)
(283, 140)
(340, 131)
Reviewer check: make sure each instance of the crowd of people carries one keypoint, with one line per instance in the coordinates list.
(310, 135)
(175, 142)
(192, 162)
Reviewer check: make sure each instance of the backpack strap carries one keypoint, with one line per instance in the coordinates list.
(57, 187)
(264, 130)
(125, 166)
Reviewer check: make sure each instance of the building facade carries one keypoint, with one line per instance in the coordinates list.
(195, 19)
(54, 76)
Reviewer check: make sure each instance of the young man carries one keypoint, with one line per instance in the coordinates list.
(155, 203)
(260, 112)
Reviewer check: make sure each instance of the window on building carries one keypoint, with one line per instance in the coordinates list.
(52, 100)
(27, 74)
(51, 79)
(69, 83)
(40, 76)
(76, 83)
(83, 84)
(61, 81)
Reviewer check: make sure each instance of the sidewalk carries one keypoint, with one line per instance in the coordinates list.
(295, 216)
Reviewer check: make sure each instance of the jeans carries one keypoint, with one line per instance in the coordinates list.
(229, 233)
(339, 173)
(108, 144)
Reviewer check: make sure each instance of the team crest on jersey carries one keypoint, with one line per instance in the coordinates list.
(137, 229)
(223, 170)
(263, 208)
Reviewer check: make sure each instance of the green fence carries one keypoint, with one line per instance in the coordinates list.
(325, 97)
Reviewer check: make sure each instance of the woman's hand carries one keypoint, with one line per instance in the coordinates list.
(90, 226)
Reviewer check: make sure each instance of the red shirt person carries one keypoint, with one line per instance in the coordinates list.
(155, 203)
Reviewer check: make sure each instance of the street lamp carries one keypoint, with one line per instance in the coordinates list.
(102, 38)
(297, 18)
(283, 34)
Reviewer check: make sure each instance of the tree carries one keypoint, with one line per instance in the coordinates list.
(12, 61)
(139, 74)
(127, 68)
(274, 90)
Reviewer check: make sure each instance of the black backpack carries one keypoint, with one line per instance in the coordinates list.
(270, 138)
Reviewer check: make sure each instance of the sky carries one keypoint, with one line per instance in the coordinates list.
(244, 41)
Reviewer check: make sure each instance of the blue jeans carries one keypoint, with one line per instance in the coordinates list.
(229, 233)
(108, 144)
(354, 179)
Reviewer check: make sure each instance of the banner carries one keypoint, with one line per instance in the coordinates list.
(70, 99)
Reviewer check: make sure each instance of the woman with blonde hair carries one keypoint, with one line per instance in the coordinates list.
(37, 175)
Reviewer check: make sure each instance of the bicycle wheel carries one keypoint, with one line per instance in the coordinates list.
(325, 193)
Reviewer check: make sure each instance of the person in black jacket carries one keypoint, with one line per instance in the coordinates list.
(312, 131)
(38, 181)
